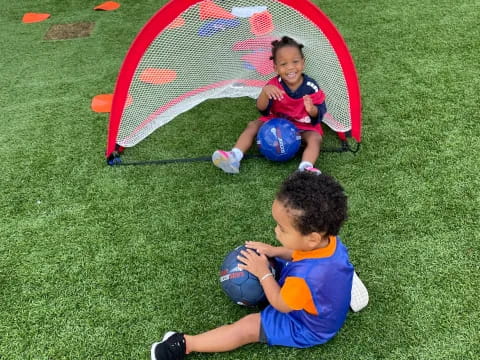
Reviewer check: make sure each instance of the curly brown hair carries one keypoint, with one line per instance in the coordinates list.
(319, 199)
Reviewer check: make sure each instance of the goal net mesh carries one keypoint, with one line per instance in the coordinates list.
(217, 49)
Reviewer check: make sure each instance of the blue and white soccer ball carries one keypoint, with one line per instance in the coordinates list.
(241, 286)
(278, 139)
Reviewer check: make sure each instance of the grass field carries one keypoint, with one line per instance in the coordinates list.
(97, 262)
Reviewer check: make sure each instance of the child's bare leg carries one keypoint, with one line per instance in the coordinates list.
(313, 141)
(227, 337)
(245, 139)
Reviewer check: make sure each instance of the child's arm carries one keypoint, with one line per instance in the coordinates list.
(272, 292)
(258, 266)
(269, 92)
(269, 250)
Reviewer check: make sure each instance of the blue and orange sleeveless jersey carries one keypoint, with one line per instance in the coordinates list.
(317, 285)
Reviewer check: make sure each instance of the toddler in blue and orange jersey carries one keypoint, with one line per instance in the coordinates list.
(291, 95)
(309, 302)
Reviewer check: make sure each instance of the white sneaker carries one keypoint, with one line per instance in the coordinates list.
(226, 161)
(359, 298)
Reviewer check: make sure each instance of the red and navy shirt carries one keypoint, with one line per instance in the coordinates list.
(291, 107)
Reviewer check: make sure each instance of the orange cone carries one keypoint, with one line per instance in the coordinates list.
(107, 6)
(102, 103)
(261, 23)
(178, 22)
(158, 76)
(209, 10)
(34, 17)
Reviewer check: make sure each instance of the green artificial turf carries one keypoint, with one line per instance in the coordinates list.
(97, 262)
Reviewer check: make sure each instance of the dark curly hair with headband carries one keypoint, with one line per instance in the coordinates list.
(284, 42)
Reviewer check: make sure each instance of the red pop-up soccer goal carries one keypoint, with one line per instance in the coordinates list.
(194, 50)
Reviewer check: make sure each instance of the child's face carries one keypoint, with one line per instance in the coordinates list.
(289, 64)
(285, 231)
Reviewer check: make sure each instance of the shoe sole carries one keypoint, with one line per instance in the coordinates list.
(220, 160)
(154, 345)
(313, 170)
(152, 351)
(359, 298)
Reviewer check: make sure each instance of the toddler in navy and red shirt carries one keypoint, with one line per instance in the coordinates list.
(291, 95)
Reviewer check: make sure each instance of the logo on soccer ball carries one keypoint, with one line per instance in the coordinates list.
(279, 141)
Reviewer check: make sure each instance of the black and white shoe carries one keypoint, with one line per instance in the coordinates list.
(172, 347)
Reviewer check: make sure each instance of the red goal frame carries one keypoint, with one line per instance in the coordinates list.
(170, 11)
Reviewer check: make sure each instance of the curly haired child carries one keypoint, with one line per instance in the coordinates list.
(291, 95)
(309, 303)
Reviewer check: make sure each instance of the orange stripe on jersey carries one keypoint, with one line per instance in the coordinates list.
(296, 294)
(295, 291)
(324, 252)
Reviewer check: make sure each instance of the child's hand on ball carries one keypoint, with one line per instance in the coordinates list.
(253, 262)
(262, 248)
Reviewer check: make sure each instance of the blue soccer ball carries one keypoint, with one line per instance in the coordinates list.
(241, 286)
(278, 139)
